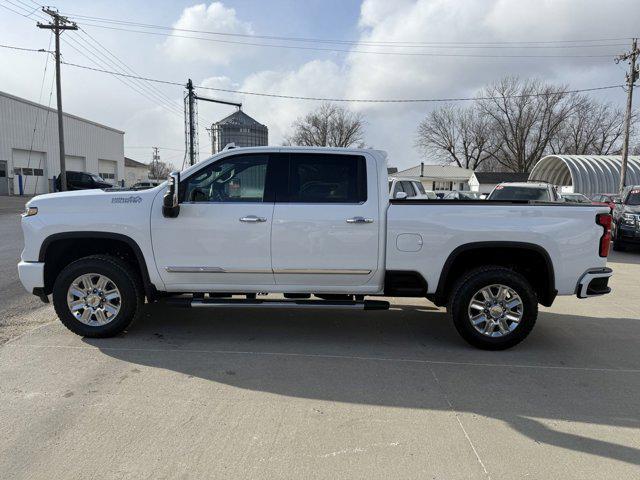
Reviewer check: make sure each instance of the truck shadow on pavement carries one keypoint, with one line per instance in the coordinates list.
(583, 370)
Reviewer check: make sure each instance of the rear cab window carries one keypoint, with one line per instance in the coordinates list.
(520, 193)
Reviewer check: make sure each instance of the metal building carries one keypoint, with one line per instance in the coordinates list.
(587, 174)
(29, 152)
(240, 129)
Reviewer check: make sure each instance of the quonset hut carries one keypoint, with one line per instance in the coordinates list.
(587, 174)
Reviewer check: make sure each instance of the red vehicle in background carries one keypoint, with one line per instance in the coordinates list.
(605, 199)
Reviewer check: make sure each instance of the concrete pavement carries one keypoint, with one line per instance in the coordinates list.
(264, 394)
(17, 307)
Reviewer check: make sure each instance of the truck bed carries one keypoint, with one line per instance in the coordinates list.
(423, 234)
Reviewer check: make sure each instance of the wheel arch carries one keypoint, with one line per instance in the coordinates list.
(69, 246)
(520, 256)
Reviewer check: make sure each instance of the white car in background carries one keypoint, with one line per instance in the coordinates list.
(526, 191)
(400, 188)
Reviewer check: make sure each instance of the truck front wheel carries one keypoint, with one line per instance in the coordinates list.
(494, 308)
(97, 296)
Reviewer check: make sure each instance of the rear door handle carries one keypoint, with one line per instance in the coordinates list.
(359, 220)
(252, 219)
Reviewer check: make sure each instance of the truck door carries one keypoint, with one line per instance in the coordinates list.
(326, 228)
(222, 236)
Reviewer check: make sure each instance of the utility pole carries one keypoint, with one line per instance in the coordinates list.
(191, 100)
(190, 121)
(59, 24)
(632, 76)
(154, 162)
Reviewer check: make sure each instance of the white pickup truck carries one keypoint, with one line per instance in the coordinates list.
(303, 222)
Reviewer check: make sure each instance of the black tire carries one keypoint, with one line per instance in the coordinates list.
(618, 246)
(473, 282)
(120, 273)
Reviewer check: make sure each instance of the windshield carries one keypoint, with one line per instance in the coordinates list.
(390, 184)
(97, 178)
(633, 198)
(419, 186)
(576, 198)
(520, 193)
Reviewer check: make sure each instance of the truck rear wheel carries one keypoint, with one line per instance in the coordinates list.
(494, 308)
(97, 296)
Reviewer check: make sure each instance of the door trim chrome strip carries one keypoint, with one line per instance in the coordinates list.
(309, 271)
(172, 269)
(286, 271)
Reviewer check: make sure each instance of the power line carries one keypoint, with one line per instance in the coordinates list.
(38, 50)
(97, 58)
(376, 52)
(351, 42)
(354, 100)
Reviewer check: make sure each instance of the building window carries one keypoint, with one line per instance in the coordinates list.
(108, 176)
(440, 185)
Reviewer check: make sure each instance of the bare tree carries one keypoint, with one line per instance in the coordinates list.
(328, 126)
(456, 135)
(524, 116)
(159, 170)
(594, 128)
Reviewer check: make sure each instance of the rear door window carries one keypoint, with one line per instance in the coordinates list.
(327, 178)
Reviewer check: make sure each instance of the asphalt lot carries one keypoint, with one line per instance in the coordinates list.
(265, 394)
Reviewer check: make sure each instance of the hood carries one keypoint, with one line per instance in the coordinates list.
(92, 200)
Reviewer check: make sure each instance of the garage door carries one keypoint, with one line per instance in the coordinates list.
(29, 169)
(107, 170)
(75, 164)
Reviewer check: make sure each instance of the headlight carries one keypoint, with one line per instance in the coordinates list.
(30, 211)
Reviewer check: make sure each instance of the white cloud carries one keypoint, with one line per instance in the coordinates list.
(392, 127)
(216, 17)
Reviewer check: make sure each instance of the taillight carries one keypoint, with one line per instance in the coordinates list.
(604, 220)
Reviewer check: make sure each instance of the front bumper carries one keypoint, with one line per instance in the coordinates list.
(594, 282)
(628, 234)
(31, 275)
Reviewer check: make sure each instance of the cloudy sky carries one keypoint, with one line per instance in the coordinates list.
(151, 115)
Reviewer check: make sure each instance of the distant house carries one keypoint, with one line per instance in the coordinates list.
(135, 172)
(483, 182)
(438, 177)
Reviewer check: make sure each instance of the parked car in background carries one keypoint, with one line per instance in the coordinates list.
(605, 199)
(462, 195)
(146, 184)
(626, 219)
(575, 198)
(83, 181)
(534, 191)
(407, 188)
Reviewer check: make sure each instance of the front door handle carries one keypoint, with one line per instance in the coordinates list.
(252, 219)
(359, 220)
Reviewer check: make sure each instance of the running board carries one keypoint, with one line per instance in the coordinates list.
(252, 303)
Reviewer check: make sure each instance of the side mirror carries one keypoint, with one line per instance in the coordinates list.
(617, 201)
(400, 195)
(170, 203)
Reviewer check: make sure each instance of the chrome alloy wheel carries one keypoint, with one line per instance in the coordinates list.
(495, 310)
(94, 299)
